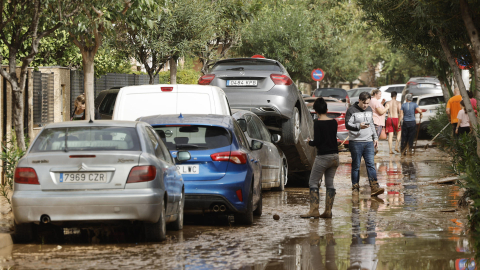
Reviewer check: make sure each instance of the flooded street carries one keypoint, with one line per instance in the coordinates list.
(404, 228)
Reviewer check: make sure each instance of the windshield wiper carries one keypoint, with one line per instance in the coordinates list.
(238, 68)
(186, 146)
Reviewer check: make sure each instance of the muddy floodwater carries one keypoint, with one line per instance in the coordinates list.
(413, 225)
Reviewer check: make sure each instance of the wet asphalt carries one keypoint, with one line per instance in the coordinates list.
(414, 225)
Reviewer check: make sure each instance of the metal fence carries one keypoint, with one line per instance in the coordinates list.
(104, 82)
(43, 97)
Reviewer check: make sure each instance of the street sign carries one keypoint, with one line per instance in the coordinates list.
(318, 74)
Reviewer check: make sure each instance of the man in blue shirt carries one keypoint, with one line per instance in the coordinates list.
(409, 126)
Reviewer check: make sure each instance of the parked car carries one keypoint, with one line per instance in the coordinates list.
(264, 87)
(97, 172)
(388, 89)
(429, 104)
(105, 102)
(274, 163)
(223, 176)
(336, 110)
(337, 93)
(354, 93)
(133, 102)
(419, 86)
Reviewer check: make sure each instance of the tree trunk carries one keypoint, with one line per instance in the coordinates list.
(461, 85)
(89, 86)
(173, 70)
(446, 94)
(371, 75)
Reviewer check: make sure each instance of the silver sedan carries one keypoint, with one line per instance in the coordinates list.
(102, 171)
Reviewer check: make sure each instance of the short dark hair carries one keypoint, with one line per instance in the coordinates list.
(462, 103)
(393, 94)
(470, 94)
(364, 96)
(320, 106)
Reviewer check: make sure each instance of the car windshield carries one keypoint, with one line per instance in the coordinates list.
(246, 65)
(193, 137)
(331, 92)
(354, 93)
(87, 139)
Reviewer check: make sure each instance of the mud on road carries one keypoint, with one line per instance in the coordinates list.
(403, 229)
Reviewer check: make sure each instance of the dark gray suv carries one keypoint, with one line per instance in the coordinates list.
(418, 86)
(263, 86)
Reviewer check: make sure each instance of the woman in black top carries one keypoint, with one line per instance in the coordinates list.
(326, 162)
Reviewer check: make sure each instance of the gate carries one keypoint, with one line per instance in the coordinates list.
(43, 98)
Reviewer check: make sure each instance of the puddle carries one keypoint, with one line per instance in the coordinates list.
(403, 229)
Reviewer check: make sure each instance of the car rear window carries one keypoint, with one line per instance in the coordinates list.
(328, 92)
(431, 101)
(246, 65)
(192, 137)
(87, 139)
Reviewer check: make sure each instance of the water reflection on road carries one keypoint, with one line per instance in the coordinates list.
(402, 229)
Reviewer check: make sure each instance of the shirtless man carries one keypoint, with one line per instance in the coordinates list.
(392, 124)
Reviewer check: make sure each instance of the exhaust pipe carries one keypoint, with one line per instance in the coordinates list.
(45, 219)
(216, 208)
(223, 208)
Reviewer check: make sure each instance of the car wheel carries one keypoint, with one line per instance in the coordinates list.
(156, 232)
(178, 224)
(23, 232)
(291, 128)
(283, 177)
(258, 211)
(247, 217)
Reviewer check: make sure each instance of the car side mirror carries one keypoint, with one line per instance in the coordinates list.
(243, 124)
(256, 145)
(276, 138)
(183, 156)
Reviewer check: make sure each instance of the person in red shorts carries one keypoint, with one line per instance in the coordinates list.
(392, 122)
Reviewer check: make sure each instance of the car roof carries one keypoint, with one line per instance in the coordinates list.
(95, 123)
(424, 79)
(247, 59)
(427, 96)
(191, 119)
(332, 88)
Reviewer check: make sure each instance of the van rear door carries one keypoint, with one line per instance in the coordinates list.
(195, 100)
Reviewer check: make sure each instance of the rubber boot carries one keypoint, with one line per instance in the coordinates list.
(355, 191)
(328, 203)
(376, 190)
(314, 200)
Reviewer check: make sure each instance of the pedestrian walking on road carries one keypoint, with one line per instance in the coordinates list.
(463, 126)
(409, 125)
(326, 161)
(363, 140)
(453, 107)
(379, 111)
(392, 122)
(79, 109)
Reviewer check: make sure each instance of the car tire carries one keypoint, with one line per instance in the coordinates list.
(247, 217)
(156, 232)
(283, 176)
(258, 211)
(178, 224)
(291, 128)
(23, 232)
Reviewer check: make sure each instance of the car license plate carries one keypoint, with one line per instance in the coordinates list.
(241, 83)
(188, 169)
(83, 177)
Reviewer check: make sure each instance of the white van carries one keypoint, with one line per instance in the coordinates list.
(144, 100)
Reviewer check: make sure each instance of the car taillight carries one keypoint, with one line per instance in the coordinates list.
(280, 79)
(348, 99)
(206, 79)
(341, 117)
(236, 157)
(142, 174)
(411, 83)
(26, 176)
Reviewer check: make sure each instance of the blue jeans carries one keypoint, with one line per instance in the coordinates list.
(367, 151)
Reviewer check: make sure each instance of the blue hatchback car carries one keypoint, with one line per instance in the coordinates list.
(222, 176)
